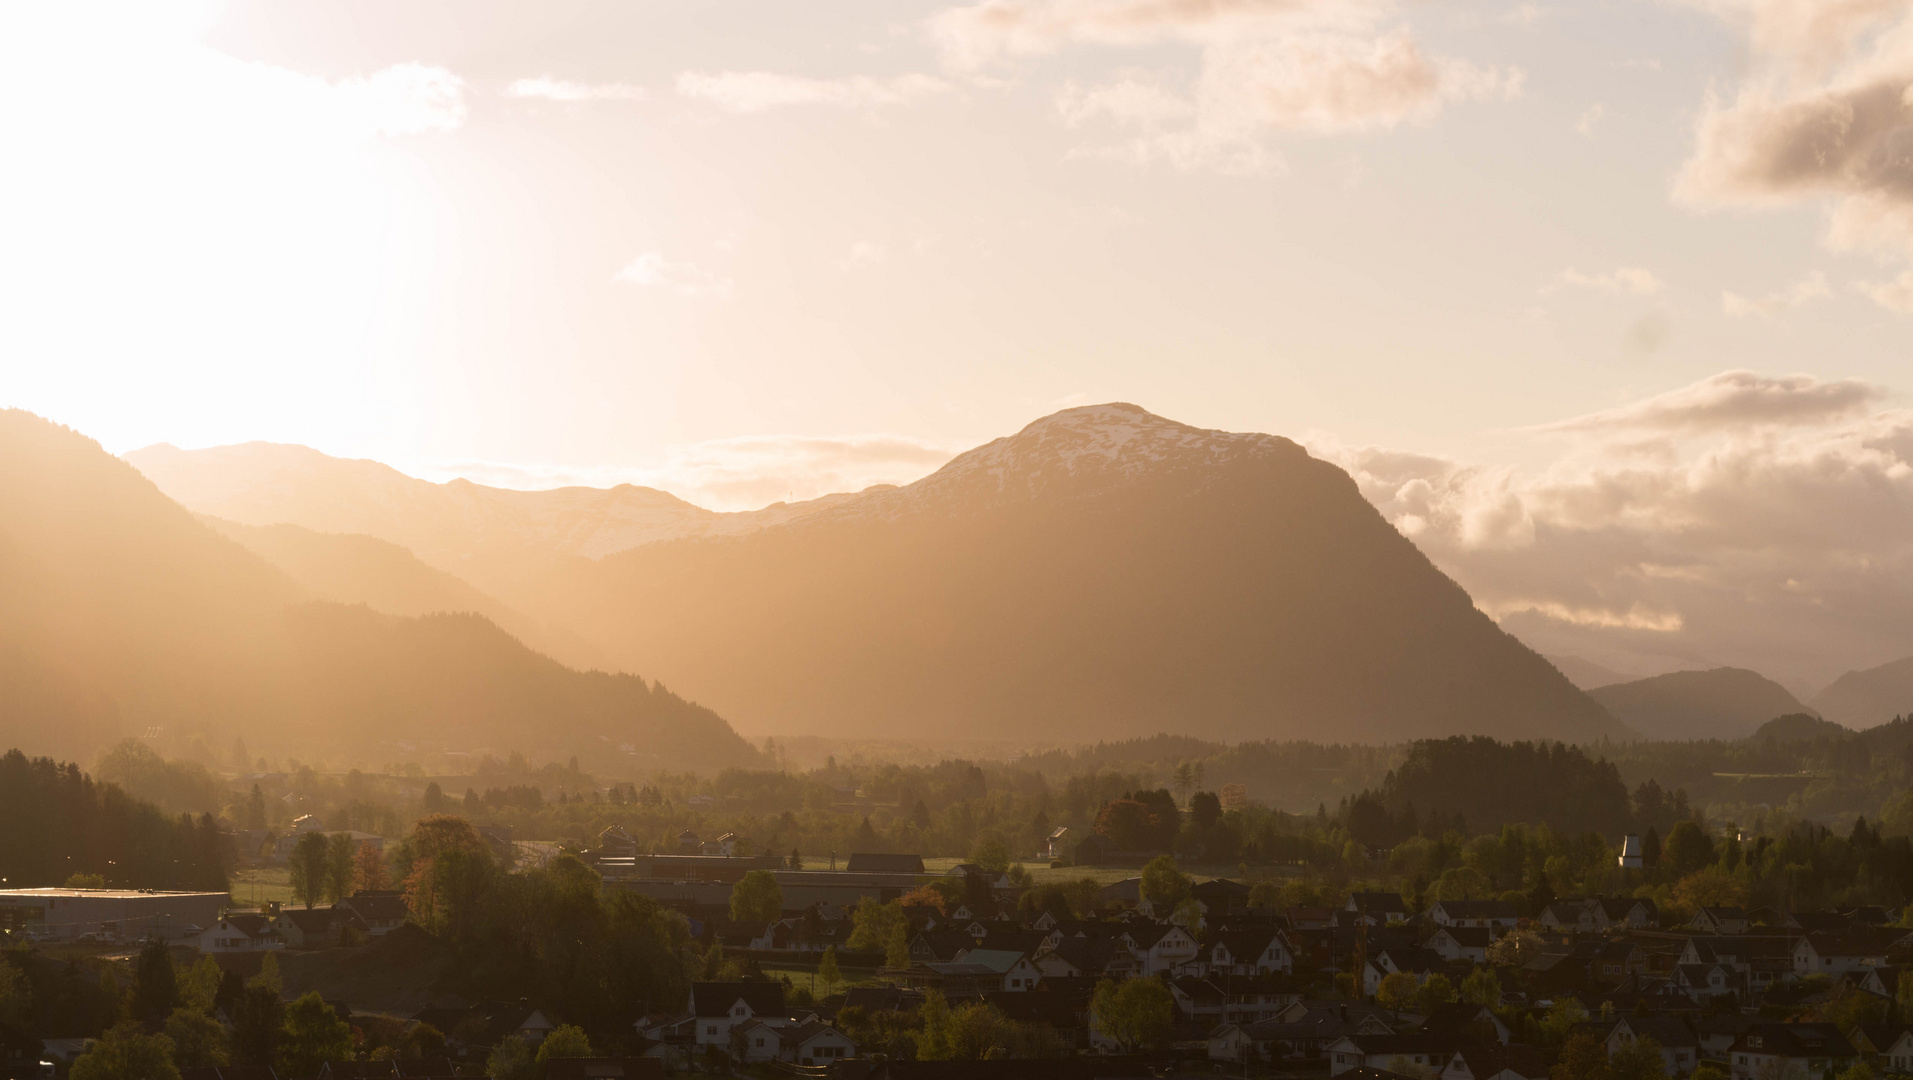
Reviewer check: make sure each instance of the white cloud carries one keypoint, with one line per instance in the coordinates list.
(1524, 15)
(758, 91)
(1589, 118)
(1745, 519)
(1824, 116)
(1263, 67)
(1808, 289)
(653, 270)
(1894, 295)
(1625, 279)
(547, 88)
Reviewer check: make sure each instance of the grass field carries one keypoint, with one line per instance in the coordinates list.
(256, 885)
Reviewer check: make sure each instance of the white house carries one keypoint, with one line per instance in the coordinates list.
(1160, 947)
(719, 1007)
(241, 932)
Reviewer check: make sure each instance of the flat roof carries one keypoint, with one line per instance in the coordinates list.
(108, 894)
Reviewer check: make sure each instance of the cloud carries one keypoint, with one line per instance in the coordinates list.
(1824, 115)
(1733, 400)
(758, 91)
(1776, 531)
(1263, 67)
(1585, 125)
(546, 88)
(1894, 295)
(653, 270)
(406, 99)
(1628, 279)
(1808, 289)
(729, 474)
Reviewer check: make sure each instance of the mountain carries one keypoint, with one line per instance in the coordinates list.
(1103, 573)
(495, 538)
(349, 569)
(1863, 699)
(1723, 703)
(1583, 672)
(126, 615)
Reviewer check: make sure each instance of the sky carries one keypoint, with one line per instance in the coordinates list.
(1493, 257)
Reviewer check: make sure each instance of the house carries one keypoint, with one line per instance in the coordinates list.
(1160, 947)
(1308, 918)
(1462, 943)
(1013, 966)
(486, 1024)
(1374, 908)
(1850, 950)
(1680, 1047)
(1245, 952)
(1431, 1052)
(240, 932)
(877, 863)
(806, 1042)
(1078, 957)
(1057, 845)
(1703, 982)
(1894, 1054)
(1464, 1021)
(1721, 920)
(1417, 962)
(1788, 1051)
(1496, 916)
(389, 1069)
(1568, 916)
(1633, 914)
(1220, 896)
(719, 1006)
(1617, 960)
(315, 928)
(1198, 999)
(381, 910)
(1497, 1063)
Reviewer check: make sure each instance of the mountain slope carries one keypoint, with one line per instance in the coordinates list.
(1724, 703)
(125, 615)
(1583, 672)
(1864, 699)
(495, 538)
(347, 569)
(1105, 572)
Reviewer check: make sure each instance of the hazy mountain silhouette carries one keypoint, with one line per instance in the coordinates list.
(495, 538)
(1722, 703)
(1583, 672)
(125, 614)
(347, 569)
(1864, 699)
(1105, 572)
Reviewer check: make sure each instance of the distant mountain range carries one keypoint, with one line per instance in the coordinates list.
(1104, 572)
(127, 616)
(1724, 703)
(1863, 699)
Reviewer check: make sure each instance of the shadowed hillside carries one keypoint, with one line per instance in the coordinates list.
(1724, 703)
(1863, 699)
(125, 614)
(1104, 573)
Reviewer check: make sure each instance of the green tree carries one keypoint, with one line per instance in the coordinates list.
(1163, 885)
(933, 1042)
(1561, 1019)
(990, 856)
(1638, 1060)
(198, 1039)
(199, 985)
(257, 1017)
(979, 1032)
(827, 972)
(1860, 1070)
(1481, 987)
(1583, 1058)
(896, 953)
(340, 852)
(314, 1034)
(155, 984)
(565, 1041)
(757, 898)
(1709, 1072)
(1435, 990)
(268, 976)
(16, 996)
(1134, 1013)
(1397, 990)
(308, 862)
(872, 923)
(126, 1053)
(1687, 849)
(85, 881)
(512, 1059)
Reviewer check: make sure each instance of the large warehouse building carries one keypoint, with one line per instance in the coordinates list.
(126, 914)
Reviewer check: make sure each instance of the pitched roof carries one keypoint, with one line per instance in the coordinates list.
(1666, 1030)
(1478, 909)
(1795, 1040)
(716, 998)
(381, 906)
